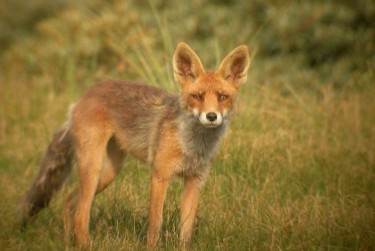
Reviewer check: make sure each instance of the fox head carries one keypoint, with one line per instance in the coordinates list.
(208, 95)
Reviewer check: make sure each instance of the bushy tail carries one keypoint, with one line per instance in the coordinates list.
(54, 169)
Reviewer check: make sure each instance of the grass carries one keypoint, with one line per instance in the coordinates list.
(296, 170)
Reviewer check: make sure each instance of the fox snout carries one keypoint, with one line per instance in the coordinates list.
(210, 119)
(211, 116)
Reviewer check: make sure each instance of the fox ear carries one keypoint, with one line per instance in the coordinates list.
(186, 64)
(234, 66)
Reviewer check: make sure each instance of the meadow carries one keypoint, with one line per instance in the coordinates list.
(296, 170)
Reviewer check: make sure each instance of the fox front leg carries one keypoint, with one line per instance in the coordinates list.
(158, 192)
(189, 204)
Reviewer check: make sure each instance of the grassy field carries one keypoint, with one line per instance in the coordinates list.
(296, 170)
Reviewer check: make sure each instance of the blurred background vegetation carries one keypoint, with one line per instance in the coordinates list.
(297, 169)
(105, 35)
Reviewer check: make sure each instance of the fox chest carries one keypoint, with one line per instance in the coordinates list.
(198, 151)
(193, 166)
(188, 151)
(196, 160)
(183, 162)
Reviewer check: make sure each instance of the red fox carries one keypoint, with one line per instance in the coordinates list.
(177, 135)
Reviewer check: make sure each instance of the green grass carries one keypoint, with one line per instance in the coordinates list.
(296, 170)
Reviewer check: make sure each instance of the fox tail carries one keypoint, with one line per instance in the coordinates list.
(54, 170)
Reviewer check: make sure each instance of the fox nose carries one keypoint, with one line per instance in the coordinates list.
(211, 116)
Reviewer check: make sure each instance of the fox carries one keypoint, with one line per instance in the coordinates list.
(177, 135)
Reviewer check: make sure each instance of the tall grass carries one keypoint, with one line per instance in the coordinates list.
(296, 170)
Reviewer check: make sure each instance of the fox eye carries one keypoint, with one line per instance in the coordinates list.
(198, 97)
(222, 97)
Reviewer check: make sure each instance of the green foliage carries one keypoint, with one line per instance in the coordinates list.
(323, 32)
(297, 168)
(17, 18)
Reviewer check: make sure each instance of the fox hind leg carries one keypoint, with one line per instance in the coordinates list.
(111, 166)
(90, 165)
(99, 159)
